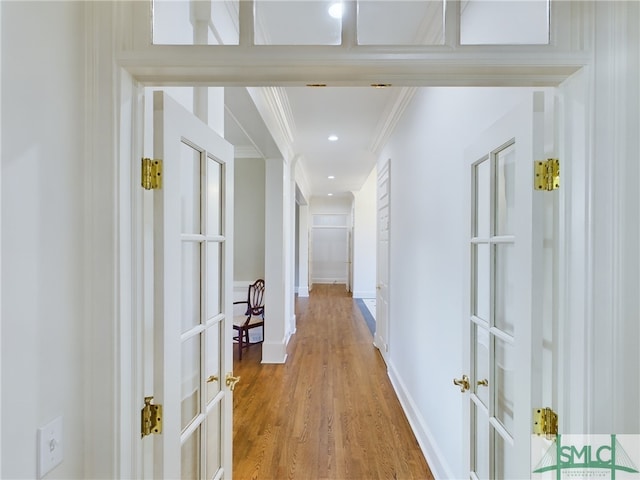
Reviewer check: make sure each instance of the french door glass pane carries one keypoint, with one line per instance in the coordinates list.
(279, 22)
(483, 200)
(190, 457)
(504, 383)
(482, 281)
(214, 283)
(481, 443)
(505, 190)
(481, 363)
(496, 22)
(195, 22)
(190, 404)
(504, 278)
(214, 457)
(191, 280)
(400, 22)
(212, 340)
(190, 189)
(214, 197)
(503, 466)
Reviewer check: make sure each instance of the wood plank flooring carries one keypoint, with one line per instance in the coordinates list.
(330, 412)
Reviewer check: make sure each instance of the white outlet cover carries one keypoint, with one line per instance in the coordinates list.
(50, 446)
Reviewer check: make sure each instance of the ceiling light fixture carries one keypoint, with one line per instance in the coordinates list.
(316, 85)
(331, 177)
(333, 138)
(380, 85)
(336, 10)
(330, 194)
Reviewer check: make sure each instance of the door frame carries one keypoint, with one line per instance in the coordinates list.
(382, 342)
(112, 150)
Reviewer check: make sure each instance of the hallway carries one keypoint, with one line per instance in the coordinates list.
(330, 412)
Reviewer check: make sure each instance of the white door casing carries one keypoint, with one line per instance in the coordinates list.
(502, 329)
(192, 295)
(381, 336)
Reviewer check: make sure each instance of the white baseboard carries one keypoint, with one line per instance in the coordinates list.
(380, 345)
(437, 463)
(274, 352)
(330, 281)
(364, 294)
(293, 326)
(289, 335)
(302, 291)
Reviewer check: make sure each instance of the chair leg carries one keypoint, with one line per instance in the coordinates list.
(240, 334)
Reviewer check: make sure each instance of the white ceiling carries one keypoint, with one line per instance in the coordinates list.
(350, 113)
(356, 115)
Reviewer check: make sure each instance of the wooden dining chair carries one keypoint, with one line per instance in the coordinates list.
(252, 316)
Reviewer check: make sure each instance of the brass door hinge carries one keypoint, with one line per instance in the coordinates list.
(545, 422)
(151, 418)
(151, 174)
(547, 174)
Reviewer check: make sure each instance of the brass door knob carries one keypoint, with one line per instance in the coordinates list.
(212, 378)
(231, 381)
(483, 383)
(463, 383)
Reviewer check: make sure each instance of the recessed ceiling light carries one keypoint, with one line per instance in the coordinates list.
(380, 85)
(330, 194)
(333, 138)
(336, 10)
(331, 177)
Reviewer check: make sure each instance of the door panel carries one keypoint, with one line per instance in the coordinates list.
(330, 255)
(192, 295)
(381, 337)
(503, 325)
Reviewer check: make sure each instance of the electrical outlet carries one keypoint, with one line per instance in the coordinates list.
(50, 446)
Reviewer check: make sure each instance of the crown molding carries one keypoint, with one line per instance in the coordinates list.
(279, 103)
(247, 151)
(273, 105)
(390, 117)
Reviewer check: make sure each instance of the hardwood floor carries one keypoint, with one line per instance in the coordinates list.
(330, 412)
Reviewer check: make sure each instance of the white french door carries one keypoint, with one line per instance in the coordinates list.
(192, 296)
(502, 332)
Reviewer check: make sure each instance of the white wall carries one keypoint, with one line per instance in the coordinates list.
(43, 363)
(364, 239)
(278, 291)
(427, 238)
(249, 214)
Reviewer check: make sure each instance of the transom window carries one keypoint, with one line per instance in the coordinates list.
(328, 22)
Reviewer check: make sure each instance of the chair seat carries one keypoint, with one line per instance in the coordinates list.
(239, 320)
